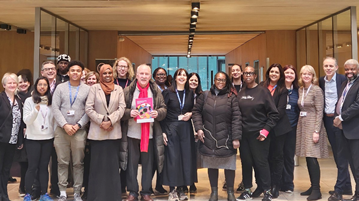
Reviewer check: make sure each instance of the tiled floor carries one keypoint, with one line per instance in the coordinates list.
(328, 178)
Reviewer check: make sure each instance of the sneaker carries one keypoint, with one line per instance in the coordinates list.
(27, 197)
(182, 196)
(173, 196)
(267, 196)
(21, 192)
(240, 187)
(45, 197)
(77, 197)
(245, 195)
(62, 198)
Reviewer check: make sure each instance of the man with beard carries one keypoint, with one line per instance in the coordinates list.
(347, 118)
(62, 67)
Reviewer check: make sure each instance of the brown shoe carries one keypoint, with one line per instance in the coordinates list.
(146, 198)
(131, 198)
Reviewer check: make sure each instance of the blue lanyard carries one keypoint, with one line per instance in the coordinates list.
(179, 100)
(77, 91)
(161, 88)
(273, 88)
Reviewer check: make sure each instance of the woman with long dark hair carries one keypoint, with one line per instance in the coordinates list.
(180, 165)
(39, 121)
(291, 83)
(217, 120)
(275, 84)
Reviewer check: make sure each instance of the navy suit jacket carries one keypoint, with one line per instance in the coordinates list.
(350, 111)
(339, 79)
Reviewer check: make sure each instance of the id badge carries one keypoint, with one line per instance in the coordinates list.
(44, 127)
(288, 107)
(71, 113)
(303, 114)
(180, 117)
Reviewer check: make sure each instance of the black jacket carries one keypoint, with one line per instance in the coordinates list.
(220, 119)
(158, 105)
(280, 100)
(350, 110)
(5, 108)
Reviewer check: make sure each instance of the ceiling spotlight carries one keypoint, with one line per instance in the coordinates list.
(193, 21)
(192, 26)
(194, 14)
(195, 6)
(5, 26)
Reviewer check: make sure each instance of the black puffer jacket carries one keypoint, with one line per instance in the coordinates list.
(220, 119)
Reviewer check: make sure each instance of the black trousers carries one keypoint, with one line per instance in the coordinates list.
(352, 147)
(135, 156)
(104, 180)
(336, 141)
(254, 153)
(288, 160)
(276, 158)
(38, 154)
(7, 152)
(54, 175)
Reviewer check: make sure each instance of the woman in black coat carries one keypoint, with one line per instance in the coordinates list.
(11, 129)
(275, 84)
(217, 120)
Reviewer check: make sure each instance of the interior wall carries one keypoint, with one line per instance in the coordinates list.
(102, 45)
(16, 52)
(278, 46)
(135, 53)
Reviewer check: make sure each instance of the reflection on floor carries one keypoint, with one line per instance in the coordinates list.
(328, 178)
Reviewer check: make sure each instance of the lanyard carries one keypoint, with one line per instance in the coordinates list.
(161, 88)
(290, 91)
(77, 91)
(179, 100)
(345, 93)
(44, 115)
(273, 89)
(302, 102)
(119, 83)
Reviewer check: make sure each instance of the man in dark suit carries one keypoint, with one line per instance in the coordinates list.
(330, 84)
(347, 118)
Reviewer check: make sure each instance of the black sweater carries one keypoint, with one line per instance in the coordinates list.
(258, 109)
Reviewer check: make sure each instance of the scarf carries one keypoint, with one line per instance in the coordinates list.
(145, 127)
(107, 87)
(44, 100)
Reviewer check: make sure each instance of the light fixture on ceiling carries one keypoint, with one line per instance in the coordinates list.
(194, 14)
(5, 26)
(195, 6)
(193, 20)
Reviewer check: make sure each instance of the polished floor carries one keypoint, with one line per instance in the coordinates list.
(328, 178)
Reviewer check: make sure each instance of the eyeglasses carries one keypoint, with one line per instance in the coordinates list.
(48, 69)
(161, 75)
(221, 80)
(122, 67)
(249, 73)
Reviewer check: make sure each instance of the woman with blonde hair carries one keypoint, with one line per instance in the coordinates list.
(311, 135)
(123, 72)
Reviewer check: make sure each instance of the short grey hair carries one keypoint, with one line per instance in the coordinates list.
(352, 62)
(335, 60)
(12, 76)
(144, 65)
(46, 62)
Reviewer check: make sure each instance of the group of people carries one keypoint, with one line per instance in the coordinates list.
(89, 124)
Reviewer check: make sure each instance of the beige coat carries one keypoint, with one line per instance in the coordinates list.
(96, 108)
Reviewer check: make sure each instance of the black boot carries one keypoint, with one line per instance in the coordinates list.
(275, 191)
(307, 192)
(214, 194)
(315, 195)
(230, 193)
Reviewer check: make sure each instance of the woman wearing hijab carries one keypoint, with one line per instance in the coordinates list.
(105, 106)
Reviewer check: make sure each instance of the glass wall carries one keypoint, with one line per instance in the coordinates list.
(58, 36)
(329, 37)
(206, 67)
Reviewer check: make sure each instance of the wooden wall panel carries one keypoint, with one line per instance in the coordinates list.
(135, 53)
(16, 52)
(281, 47)
(102, 45)
(250, 51)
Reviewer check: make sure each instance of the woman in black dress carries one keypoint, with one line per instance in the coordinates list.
(180, 165)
